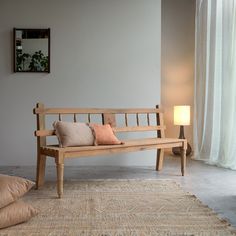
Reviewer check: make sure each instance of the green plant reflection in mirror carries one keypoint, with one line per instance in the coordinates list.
(31, 50)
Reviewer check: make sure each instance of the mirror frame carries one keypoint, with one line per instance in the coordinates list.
(14, 49)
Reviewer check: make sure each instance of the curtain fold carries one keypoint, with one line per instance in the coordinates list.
(215, 82)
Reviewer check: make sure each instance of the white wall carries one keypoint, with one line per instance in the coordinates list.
(104, 53)
(177, 60)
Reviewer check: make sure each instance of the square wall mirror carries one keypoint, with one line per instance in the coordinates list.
(32, 50)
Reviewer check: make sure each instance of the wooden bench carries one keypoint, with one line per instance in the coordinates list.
(108, 116)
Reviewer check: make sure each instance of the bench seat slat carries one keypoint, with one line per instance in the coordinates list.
(127, 143)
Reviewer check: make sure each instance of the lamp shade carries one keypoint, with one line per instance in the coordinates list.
(182, 115)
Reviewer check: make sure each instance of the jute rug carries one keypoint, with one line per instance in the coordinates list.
(119, 208)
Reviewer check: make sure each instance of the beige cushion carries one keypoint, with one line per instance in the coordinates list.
(15, 213)
(11, 188)
(71, 134)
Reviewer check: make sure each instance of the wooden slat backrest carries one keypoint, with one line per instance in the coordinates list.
(108, 117)
(47, 111)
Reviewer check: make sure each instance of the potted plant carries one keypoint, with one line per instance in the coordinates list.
(38, 62)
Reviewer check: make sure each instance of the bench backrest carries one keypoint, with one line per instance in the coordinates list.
(108, 117)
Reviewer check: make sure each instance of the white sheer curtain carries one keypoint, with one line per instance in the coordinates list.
(215, 82)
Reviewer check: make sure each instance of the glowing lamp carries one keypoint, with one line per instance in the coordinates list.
(182, 115)
(181, 118)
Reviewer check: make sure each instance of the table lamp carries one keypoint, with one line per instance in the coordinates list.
(181, 118)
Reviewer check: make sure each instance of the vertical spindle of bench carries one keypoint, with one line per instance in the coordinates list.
(160, 134)
(41, 141)
(75, 120)
(137, 119)
(148, 119)
(89, 118)
(59, 117)
(126, 119)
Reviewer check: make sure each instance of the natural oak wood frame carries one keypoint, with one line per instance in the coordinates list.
(108, 116)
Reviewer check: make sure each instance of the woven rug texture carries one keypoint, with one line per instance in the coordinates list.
(119, 208)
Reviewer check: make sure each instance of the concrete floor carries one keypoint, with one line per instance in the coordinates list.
(215, 187)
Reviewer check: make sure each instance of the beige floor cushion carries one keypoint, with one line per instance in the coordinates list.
(12, 188)
(15, 213)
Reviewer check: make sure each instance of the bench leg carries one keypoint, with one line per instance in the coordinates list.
(160, 158)
(41, 164)
(60, 175)
(183, 160)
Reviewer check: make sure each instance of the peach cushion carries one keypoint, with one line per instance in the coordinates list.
(73, 134)
(15, 213)
(104, 135)
(12, 187)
